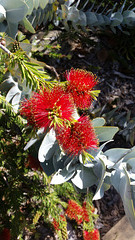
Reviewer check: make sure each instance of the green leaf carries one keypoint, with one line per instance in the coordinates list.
(7, 83)
(12, 92)
(30, 4)
(61, 176)
(131, 154)
(128, 17)
(121, 182)
(131, 165)
(116, 154)
(101, 20)
(48, 166)
(36, 3)
(98, 122)
(16, 101)
(126, 195)
(43, 3)
(115, 179)
(105, 133)
(99, 169)
(12, 29)
(116, 19)
(91, 18)
(25, 22)
(2, 13)
(39, 135)
(73, 14)
(47, 148)
(84, 177)
(16, 12)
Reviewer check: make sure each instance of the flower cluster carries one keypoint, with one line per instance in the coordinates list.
(74, 211)
(78, 137)
(55, 108)
(80, 84)
(61, 226)
(83, 214)
(5, 234)
(56, 223)
(93, 235)
(48, 108)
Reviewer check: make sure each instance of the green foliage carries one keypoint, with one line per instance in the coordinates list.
(26, 196)
(3, 58)
(31, 72)
(7, 108)
(67, 191)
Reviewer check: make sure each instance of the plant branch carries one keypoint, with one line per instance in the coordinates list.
(5, 50)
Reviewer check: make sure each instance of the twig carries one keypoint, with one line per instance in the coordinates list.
(5, 50)
(46, 66)
(52, 69)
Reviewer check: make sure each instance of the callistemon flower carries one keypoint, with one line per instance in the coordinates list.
(48, 108)
(85, 212)
(78, 137)
(93, 235)
(80, 85)
(5, 234)
(56, 224)
(74, 211)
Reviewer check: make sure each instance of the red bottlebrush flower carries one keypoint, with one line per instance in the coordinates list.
(78, 137)
(63, 218)
(27, 111)
(85, 213)
(85, 235)
(80, 84)
(5, 234)
(55, 224)
(93, 235)
(48, 108)
(33, 163)
(92, 209)
(74, 211)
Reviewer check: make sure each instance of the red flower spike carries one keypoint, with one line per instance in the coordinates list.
(63, 218)
(85, 213)
(74, 211)
(55, 224)
(33, 163)
(79, 137)
(27, 111)
(93, 235)
(80, 84)
(92, 209)
(5, 234)
(48, 108)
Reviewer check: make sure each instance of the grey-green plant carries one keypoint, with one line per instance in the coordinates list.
(32, 13)
(15, 12)
(92, 18)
